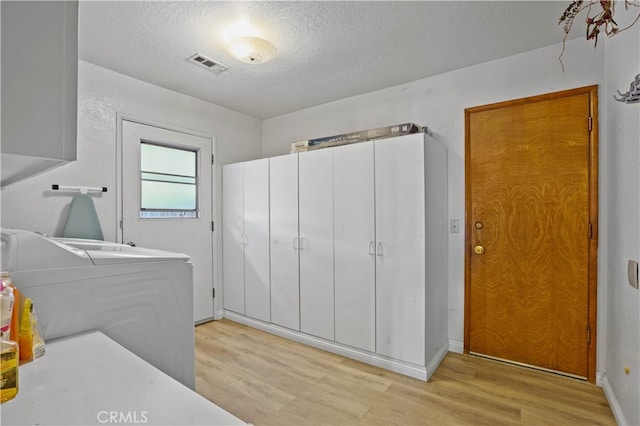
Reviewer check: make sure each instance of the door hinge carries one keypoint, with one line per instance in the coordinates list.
(213, 226)
(121, 223)
(213, 293)
(213, 159)
(588, 334)
(590, 123)
(590, 231)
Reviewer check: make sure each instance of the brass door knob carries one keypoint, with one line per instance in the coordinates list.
(478, 249)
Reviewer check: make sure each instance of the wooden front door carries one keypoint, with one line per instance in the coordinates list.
(531, 231)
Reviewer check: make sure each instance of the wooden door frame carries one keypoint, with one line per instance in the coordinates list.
(592, 91)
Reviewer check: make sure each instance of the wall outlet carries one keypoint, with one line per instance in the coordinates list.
(632, 271)
(454, 226)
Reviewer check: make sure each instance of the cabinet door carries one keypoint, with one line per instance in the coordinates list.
(233, 238)
(39, 103)
(354, 244)
(400, 233)
(316, 243)
(256, 230)
(283, 195)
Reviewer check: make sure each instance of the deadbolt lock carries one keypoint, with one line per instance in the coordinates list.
(478, 249)
(478, 225)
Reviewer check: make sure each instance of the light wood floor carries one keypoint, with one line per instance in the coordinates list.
(267, 380)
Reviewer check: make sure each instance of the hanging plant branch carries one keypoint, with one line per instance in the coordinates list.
(599, 19)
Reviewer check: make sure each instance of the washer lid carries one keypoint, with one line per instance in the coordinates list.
(108, 253)
(28, 251)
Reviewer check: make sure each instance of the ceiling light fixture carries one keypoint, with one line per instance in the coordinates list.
(252, 50)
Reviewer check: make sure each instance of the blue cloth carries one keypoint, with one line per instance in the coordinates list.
(82, 220)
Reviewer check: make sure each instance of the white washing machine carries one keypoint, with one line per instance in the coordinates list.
(141, 298)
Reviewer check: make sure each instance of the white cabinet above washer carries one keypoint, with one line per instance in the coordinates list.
(39, 86)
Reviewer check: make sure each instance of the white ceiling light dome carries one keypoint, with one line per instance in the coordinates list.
(251, 50)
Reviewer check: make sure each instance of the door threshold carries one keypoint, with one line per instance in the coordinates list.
(529, 366)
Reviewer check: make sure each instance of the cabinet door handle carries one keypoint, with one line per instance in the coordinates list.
(295, 243)
(301, 245)
(371, 248)
(246, 239)
(379, 253)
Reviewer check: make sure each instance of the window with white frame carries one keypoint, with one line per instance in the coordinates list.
(168, 181)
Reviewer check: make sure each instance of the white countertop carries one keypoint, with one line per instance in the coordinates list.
(89, 379)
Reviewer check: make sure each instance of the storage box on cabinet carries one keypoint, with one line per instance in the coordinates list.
(246, 239)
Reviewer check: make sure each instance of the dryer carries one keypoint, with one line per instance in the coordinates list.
(141, 298)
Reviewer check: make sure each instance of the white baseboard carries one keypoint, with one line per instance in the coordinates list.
(437, 359)
(204, 321)
(456, 346)
(603, 381)
(411, 370)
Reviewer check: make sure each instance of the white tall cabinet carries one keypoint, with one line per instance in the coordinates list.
(285, 241)
(354, 245)
(316, 243)
(400, 248)
(233, 237)
(359, 251)
(246, 283)
(256, 243)
(390, 200)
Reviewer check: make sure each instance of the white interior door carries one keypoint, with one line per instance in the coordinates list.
(256, 249)
(283, 197)
(233, 237)
(316, 243)
(146, 223)
(400, 233)
(354, 234)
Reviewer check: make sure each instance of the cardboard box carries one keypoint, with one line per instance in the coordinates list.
(359, 136)
(363, 135)
(300, 146)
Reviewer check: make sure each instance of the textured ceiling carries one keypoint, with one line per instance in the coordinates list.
(326, 50)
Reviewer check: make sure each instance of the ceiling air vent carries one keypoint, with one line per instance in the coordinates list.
(208, 63)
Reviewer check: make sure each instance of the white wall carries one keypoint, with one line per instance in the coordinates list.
(622, 64)
(439, 102)
(31, 204)
(101, 94)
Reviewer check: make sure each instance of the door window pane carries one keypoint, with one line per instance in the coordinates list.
(168, 181)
